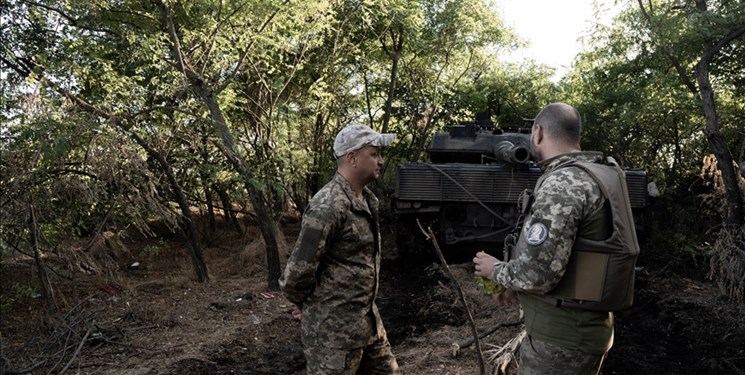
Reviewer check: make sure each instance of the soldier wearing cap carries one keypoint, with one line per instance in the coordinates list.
(572, 263)
(332, 274)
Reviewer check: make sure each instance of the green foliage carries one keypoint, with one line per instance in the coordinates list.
(6, 304)
(92, 83)
(18, 293)
(151, 251)
(22, 291)
(510, 92)
(635, 104)
(489, 286)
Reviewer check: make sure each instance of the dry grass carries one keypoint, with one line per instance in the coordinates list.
(727, 264)
(252, 259)
(248, 258)
(503, 357)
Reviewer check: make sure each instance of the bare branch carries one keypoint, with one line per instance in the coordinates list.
(77, 351)
(214, 33)
(188, 72)
(21, 67)
(430, 236)
(714, 48)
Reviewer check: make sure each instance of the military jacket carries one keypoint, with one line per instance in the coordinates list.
(567, 199)
(333, 271)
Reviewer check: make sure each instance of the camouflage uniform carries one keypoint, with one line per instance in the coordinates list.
(333, 274)
(560, 339)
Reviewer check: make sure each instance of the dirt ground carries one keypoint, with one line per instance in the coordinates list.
(156, 319)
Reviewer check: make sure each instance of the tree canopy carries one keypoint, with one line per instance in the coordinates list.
(118, 112)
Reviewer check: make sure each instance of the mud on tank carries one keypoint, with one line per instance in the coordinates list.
(469, 190)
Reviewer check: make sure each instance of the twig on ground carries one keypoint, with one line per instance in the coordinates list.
(433, 239)
(464, 344)
(25, 370)
(77, 351)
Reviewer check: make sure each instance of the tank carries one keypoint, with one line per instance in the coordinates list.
(468, 191)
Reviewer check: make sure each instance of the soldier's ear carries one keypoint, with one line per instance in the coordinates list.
(537, 133)
(351, 158)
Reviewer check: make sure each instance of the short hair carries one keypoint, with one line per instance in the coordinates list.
(561, 122)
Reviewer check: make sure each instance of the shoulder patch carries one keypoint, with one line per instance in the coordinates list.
(536, 234)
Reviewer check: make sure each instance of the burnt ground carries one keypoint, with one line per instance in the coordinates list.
(156, 319)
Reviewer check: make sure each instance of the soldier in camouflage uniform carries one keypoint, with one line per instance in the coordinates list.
(332, 274)
(568, 201)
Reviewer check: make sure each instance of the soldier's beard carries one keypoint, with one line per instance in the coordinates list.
(535, 152)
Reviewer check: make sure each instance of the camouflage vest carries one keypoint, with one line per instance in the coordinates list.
(600, 273)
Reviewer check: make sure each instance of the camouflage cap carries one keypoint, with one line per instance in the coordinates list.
(356, 136)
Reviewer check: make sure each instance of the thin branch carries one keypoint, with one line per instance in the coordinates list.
(20, 66)
(712, 49)
(77, 351)
(129, 12)
(217, 29)
(177, 51)
(299, 57)
(469, 342)
(433, 239)
(40, 265)
(229, 78)
(72, 20)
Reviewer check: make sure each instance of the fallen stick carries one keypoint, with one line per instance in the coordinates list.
(458, 346)
(77, 351)
(430, 236)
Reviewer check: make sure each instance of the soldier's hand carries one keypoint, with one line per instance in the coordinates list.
(506, 298)
(297, 313)
(484, 264)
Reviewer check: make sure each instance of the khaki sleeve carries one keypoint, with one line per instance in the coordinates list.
(299, 278)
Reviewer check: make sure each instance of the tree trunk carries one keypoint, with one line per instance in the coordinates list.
(395, 55)
(391, 92)
(227, 208)
(313, 181)
(187, 221)
(420, 139)
(46, 286)
(210, 206)
(227, 147)
(266, 224)
(734, 214)
(207, 187)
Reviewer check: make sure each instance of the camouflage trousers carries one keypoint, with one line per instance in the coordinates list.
(374, 359)
(541, 358)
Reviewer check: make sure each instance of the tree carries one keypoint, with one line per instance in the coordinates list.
(713, 30)
(94, 36)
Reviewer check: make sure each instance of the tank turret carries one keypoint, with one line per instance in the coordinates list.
(476, 145)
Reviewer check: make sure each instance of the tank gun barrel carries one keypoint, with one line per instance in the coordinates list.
(507, 151)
